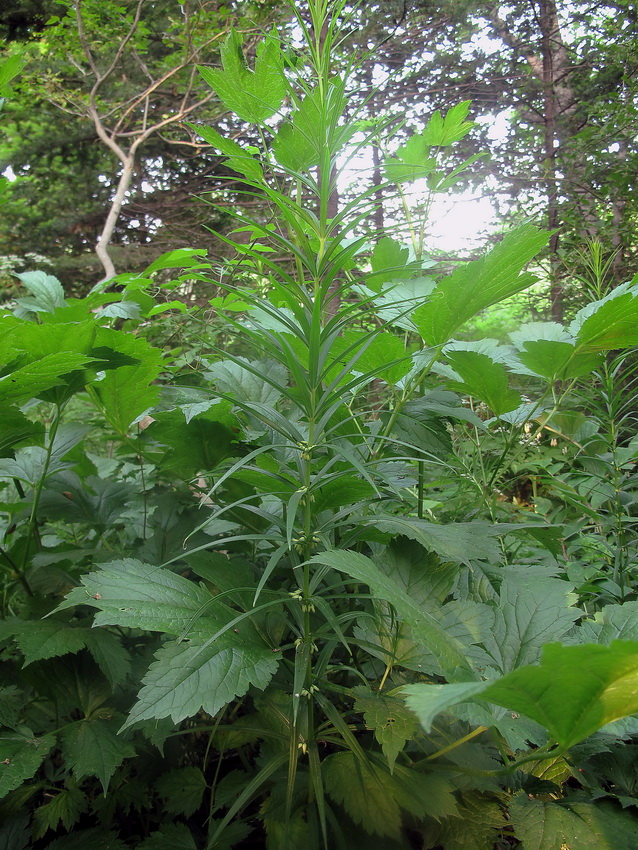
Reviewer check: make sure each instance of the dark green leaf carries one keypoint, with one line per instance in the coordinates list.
(171, 836)
(20, 758)
(65, 808)
(182, 790)
(93, 748)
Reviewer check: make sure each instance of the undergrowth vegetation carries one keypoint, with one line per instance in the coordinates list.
(316, 572)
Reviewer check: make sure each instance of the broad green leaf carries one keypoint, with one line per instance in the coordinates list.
(244, 384)
(16, 429)
(366, 792)
(252, 95)
(613, 622)
(93, 748)
(180, 258)
(394, 304)
(10, 68)
(418, 572)
(444, 131)
(380, 355)
(293, 149)
(548, 350)
(447, 650)
(484, 379)
(388, 261)
(197, 446)
(476, 285)
(532, 611)
(411, 162)
(33, 379)
(238, 159)
(65, 807)
(96, 501)
(391, 721)
(182, 790)
(419, 427)
(170, 836)
(38, 639)
(461, 542)
(314, 127)
(137, 595)
(610, 323)
(124, 394)
(196, 674)
(46, 291)
(20, 758)
(549, 825)
(477, 827)
(109, 654)
(601, 681)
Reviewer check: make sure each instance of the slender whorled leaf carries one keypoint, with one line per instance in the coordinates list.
(476, 285)
(601, 681)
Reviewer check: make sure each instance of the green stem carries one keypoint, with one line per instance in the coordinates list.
(32, 531)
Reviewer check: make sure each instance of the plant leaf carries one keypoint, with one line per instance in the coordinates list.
(446, 649)
(182, 790)
(602, 683)
(392, 722)
(20, 758)
(476, 285)
(137, 595)
(196, 674)
(548, 825)
(252, 95)
(93, 748)
(170, 836)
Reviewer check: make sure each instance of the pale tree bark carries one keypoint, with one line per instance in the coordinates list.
(117, 134)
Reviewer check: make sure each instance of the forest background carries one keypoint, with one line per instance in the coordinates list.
(315, 532)
(552, 87)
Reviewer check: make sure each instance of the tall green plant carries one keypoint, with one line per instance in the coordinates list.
(313, 595)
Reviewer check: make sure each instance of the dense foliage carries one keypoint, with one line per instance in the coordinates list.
(308, 567)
